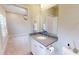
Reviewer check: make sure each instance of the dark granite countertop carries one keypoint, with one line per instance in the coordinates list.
(46, 42)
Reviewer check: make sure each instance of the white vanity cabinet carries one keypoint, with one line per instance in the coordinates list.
(37, 48)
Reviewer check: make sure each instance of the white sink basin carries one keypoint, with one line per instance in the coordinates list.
(41, 37)
(67, 51)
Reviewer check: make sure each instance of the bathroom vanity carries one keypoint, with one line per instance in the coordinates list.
(42, 44)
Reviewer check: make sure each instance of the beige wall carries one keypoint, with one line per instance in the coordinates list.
(68, 25)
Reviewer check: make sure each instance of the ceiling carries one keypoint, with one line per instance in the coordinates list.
(23, 8)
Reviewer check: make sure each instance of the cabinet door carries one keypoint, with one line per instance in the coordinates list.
(37, 48)
(41, 49)
(33, 47)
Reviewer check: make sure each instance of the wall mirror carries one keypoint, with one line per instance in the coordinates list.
(49, 17)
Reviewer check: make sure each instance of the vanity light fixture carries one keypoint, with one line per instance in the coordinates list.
(46, 6)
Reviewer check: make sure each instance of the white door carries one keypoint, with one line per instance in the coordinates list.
(19, 31)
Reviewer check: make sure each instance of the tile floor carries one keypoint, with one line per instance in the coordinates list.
(11, 49)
